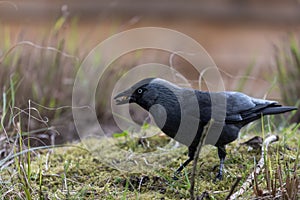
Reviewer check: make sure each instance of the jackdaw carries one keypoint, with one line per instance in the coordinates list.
(179, 112)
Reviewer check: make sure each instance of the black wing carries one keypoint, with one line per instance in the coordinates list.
(235, 107)
(243, 109)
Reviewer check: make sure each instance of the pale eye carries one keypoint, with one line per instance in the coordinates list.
(140, 91)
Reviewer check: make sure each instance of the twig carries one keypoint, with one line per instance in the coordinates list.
(204, 195)
(238, 179)
(264, 149)
(202, 138)
(29, 43)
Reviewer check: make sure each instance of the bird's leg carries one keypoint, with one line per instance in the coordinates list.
(183, 165)
(222, 155)
(191, 157)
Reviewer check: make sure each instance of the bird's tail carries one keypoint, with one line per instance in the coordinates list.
(271, 110)
(277, 110)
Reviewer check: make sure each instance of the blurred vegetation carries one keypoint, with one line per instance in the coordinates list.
(37, 75)
(288, 65)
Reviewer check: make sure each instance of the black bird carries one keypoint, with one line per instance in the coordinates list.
(171, 106)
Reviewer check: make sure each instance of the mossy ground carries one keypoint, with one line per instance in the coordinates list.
(75, 172)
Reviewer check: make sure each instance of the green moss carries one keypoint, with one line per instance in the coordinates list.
(75, 172)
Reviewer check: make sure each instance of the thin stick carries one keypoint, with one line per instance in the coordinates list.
(238, 179)
(247, 184)
(202, 138)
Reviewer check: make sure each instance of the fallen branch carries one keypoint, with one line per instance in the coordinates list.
(247, 184)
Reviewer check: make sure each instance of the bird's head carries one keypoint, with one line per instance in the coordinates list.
(146, 93)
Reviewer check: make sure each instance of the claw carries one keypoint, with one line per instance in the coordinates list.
(219, 177)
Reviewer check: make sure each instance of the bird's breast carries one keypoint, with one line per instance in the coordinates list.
(167, 120)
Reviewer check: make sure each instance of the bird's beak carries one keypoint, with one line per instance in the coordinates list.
(123, 97)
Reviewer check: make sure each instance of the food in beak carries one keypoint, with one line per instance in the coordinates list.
(122, 98)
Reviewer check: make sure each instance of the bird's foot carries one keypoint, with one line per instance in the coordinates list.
(175, 176)
(219, 177)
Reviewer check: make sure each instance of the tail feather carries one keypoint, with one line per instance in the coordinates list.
(272, 110)
(277, 110)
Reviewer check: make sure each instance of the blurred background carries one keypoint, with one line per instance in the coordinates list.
(254, 43)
